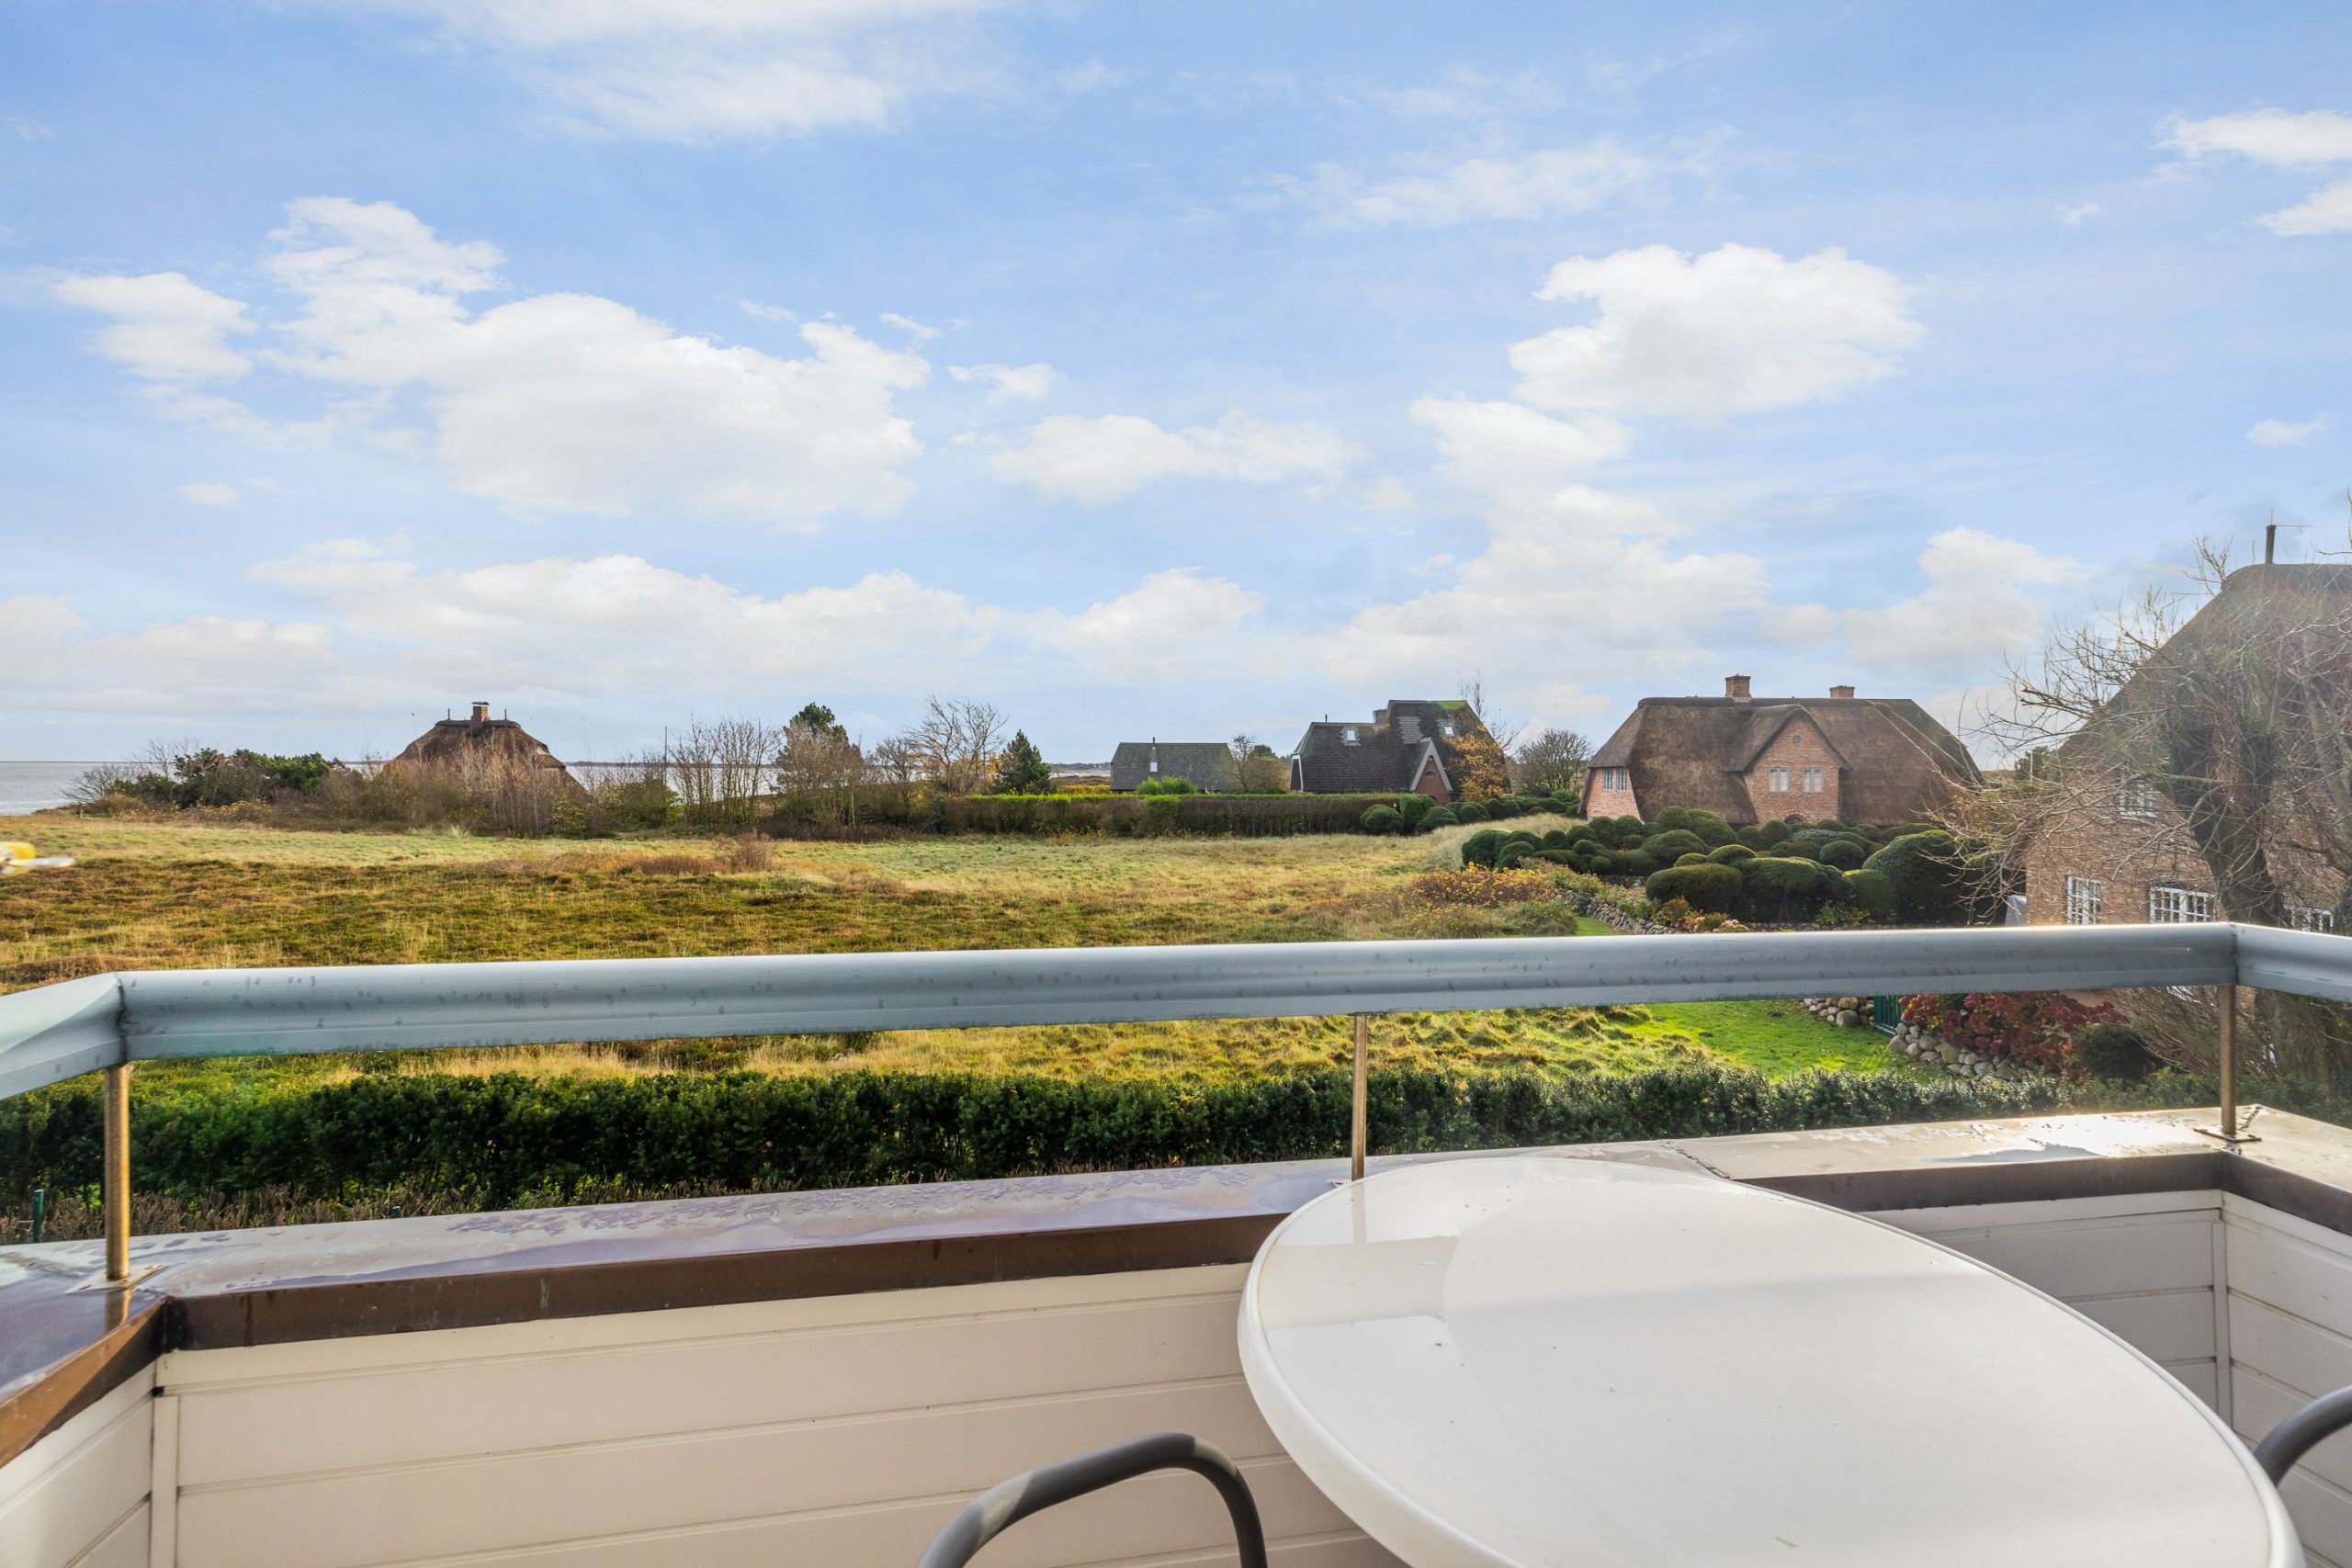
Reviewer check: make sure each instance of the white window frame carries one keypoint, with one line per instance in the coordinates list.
(1776, 780)
(2084, 896)
(1814, 781)
(1347, 735)
(2137, 798)
(2170, 905)
(2311, 917)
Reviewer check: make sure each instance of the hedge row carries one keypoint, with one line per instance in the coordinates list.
(507, 1137)
(1137, 817)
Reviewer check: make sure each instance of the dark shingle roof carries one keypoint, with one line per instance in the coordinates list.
(1899, 763)
(1207, 763)
(1386, 753)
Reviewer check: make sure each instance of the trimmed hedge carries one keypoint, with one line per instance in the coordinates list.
(1139, 817)
(1704, 885)
(509, 1138)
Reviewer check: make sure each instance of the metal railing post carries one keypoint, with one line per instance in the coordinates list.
(114, 1179)
(2228, 1048)
(1356, 1108)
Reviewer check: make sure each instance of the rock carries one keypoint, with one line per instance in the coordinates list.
(1847, 1018)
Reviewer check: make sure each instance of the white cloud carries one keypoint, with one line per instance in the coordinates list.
(1090, 77)
(2283, 140)
(2281, 433)
(919, 331)
(1009, 383)
(1509, 446)
(1738, 330)
(29, 129)
(1977, 607)
(2267, 136)
(1390, 493)
(1159, 631)
(1550, 183)
(166, 328)
(2327, 210)
(166, 671)
(550, 402)
(2075, 216)
(766, 312)
(1465, 91)
(208, 492)
(1094, 461)
(712, 70)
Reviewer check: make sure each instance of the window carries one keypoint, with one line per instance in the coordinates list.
(1813, 781)
(2137, 798)
(1615, 780)
(2309, 917)
(2178, 905)
(1776, 781)
(1348, 736)
(2082, 900)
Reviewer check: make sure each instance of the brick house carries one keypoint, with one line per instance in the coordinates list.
(1748, 759)
(1411, 746)
(2109, 848)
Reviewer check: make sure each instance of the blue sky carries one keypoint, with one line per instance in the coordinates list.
(1167, 370)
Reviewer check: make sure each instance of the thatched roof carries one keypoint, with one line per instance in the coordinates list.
(1895, 762)
(1335, 757)
(479, 742)
(1207, 763)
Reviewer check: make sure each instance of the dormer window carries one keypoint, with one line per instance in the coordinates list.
(1348, 735)
(2137, 798)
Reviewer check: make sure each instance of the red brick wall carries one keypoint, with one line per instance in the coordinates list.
(1432, 783)
(1799, 745)
(1600, 802)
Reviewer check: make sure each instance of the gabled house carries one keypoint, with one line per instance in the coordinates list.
(1412, 746)
(1206, 765)
(1748, 759)
(2111, 847)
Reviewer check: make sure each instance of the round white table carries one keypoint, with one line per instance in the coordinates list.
(1540, 1360)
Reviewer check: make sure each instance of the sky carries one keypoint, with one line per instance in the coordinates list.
(1147, 369)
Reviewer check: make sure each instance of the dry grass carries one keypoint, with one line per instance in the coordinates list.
(172, 895)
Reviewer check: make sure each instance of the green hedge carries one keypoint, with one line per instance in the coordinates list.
(509, 1137)
(1134, 817)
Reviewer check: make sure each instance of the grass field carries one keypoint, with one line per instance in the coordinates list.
(168, 895)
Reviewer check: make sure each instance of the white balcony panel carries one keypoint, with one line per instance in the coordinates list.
(841, 1429)
(2290, 1340)
(78, 1497)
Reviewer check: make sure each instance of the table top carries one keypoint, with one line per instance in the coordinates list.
(1534, 1360)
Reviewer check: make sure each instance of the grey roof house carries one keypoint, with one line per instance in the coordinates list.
(1207, 764)
(1411, 745)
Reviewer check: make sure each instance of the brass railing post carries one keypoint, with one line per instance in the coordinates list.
(1356, 1107)
(115, 1180)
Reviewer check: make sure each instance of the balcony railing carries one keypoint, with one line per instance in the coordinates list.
(106, 1022)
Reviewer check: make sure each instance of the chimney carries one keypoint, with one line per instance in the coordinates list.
(481, 712)
(1735, 688)
(1842, 693)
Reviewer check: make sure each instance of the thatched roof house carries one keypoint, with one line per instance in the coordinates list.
(1746, 758)
(480, 746)
(1411, 745)
(1207, 764)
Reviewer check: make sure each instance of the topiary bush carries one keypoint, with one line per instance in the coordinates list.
(1869, 891)
(1673, 818)
(1708, 826)
(1730, 854)
(1844, 852)
(1702, 884)
(1693, 858)
(1469, 811)
(2115, 1053)
(1784, 889)
(1764, 836)
(1925, 871)
(1439, 817)
(1633, 862)
(1384, 820)
(1665, 847)
(1479, 848)
(1412, 809)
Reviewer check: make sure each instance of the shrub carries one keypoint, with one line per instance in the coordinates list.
(1633, 862)
(1555, 839)
(1664, 847)
(1479, 848)
(1702, 884)
(1784, 889)
(1846, 853)
(1384, 820)
(1730, 854)
(1708, 826)
(1869, 891)
(1924, 869)
(2115, 1053)
(1693, 858)
(1673, 818)
(2034, 1027)
(1763, 836)
(1168, 784)
(1469, 811)
(1439, 817)
(1412, 807)
(1474, 886)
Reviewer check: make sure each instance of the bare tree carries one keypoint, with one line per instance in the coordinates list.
(820, 770)
(1551, 761)
(1472, 689)
(1256, 770)
(2231, 745)
(720, 767)
(957, 743)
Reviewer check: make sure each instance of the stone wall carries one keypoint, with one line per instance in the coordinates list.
(1921, 1046)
